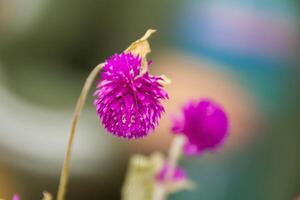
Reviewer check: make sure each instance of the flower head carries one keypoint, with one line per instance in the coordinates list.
(205, 125)
(127, 100)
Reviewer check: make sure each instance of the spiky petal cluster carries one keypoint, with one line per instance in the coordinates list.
(205, 125)
(128, 102)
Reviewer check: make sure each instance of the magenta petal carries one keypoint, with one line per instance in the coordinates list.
(178, 125)
(190, 149)
(179, 174)
(16, 197)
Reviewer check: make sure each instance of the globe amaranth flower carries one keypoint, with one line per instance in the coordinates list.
(127, 100)
(205, 125)
(179, 174)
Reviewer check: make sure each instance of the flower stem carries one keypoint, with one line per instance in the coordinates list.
(161, 190)
(175, 152)
(80, 103)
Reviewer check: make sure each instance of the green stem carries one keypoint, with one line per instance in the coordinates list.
(175, 152)
(161, 190)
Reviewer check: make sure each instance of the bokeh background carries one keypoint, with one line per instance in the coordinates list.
(243, 54)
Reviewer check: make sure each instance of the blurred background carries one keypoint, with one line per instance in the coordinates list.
(243, 54)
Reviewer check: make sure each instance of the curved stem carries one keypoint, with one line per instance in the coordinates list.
(80, 103)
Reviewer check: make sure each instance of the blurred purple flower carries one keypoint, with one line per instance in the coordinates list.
(178, 175)
(128, 101)
(16, 197)
(205, 125)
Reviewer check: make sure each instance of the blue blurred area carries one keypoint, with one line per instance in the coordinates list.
(247, 37)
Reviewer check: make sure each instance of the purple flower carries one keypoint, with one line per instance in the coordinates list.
(128, 101)
(178, 175)
(16, 197)
(205, 125)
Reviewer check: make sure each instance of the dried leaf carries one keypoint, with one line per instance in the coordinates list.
(165, 80)
(141, 47)
(47, 196)
(140, 178)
